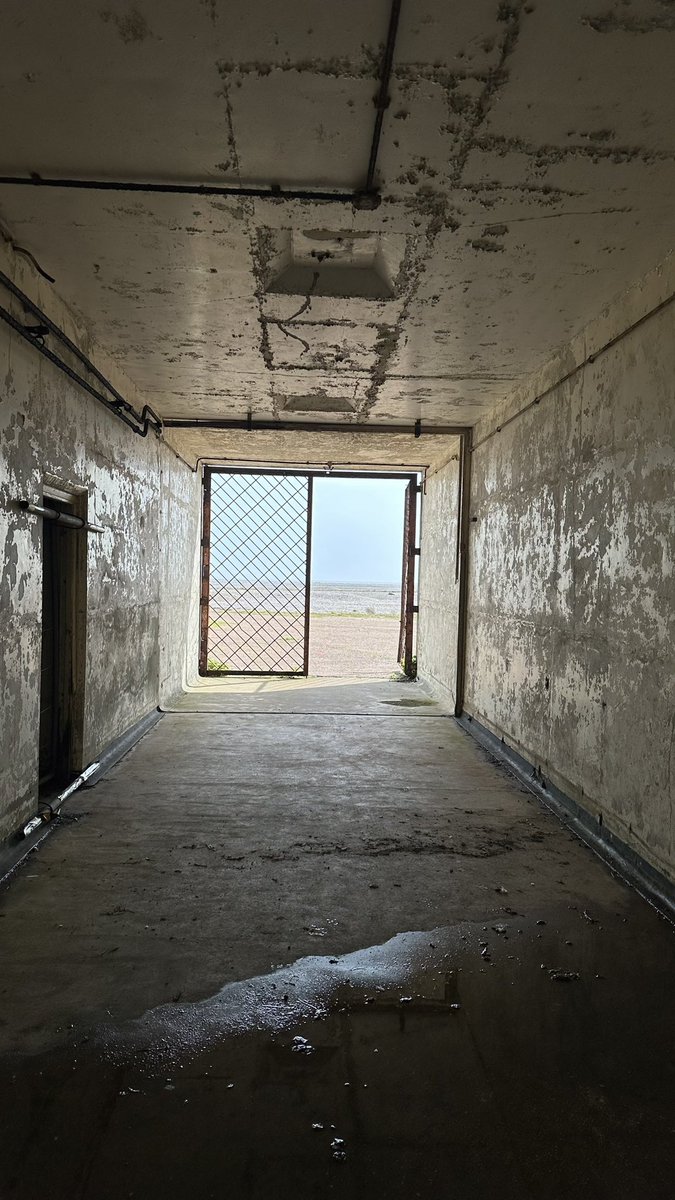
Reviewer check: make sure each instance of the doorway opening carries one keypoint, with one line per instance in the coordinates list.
(62, 651)
(356, 593)
(266, 611)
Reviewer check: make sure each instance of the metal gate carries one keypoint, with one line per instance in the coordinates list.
(255, 573)
(256, 565)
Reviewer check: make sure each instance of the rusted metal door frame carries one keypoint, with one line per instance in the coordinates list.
(308, 573)
(406, 655)
(205, 578)
(410, 551)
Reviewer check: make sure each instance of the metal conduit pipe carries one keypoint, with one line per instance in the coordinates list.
(414, 430)
(585, 362)
(382, 99)
(34, 335)
(53, 514)
(359, 199)
(367, 197)
(50, 810)
(50, 327)
(39, 345)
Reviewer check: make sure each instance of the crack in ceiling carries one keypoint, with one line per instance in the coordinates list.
(502, 117)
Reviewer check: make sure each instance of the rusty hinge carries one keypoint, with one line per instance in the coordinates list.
(416, 608)
(417, 550)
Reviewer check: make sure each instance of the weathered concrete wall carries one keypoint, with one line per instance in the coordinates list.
(180, 565)
(571, 629)
(438, 587)
(138, 572)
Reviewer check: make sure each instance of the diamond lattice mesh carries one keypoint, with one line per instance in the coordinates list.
(258, 567)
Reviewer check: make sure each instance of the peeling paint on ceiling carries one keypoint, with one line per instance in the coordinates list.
(340, 451)
(527, 170)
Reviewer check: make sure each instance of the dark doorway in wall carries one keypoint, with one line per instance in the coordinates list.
(53, 639)
(62, 655)
(256, 591)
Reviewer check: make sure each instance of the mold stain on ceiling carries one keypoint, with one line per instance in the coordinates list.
(525, 169)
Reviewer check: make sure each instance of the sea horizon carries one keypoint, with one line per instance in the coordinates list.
(388, 583)
(369, 599)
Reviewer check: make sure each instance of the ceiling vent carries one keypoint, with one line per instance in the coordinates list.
(331, 263)
(317, 403)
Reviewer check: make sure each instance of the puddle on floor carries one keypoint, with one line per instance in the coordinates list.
(309, 989)
(462, 1062)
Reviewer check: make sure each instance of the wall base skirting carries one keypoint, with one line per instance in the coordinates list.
(122, 745)
(617, 854)
(18, 848)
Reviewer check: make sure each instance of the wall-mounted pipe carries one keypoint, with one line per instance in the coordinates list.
(35, 336)
(48, 326)
(54, 514)
(587, 361)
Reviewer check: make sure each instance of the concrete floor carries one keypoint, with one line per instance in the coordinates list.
(355, 872)
(353, 645)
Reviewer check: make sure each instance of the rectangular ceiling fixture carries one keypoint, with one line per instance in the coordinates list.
(349, 264)
(317, 403)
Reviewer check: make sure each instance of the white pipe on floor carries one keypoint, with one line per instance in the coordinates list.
(52, 809)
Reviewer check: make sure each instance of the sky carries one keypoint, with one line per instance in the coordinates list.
(357, 530)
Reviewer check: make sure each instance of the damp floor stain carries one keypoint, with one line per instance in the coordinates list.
(511, 1059)
(488, 1016)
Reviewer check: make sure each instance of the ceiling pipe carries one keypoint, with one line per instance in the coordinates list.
(364, 199)
(383, 98)
(415, 430)
(367, 198)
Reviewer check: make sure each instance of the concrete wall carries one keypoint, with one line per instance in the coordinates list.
(571, 628)
(180, 567)
(140, 620)
(438, 589)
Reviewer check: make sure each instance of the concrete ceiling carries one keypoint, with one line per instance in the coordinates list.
(318, 448)
(526, 166)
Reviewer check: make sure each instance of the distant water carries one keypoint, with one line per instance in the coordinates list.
(372, 599)
(380, 599)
